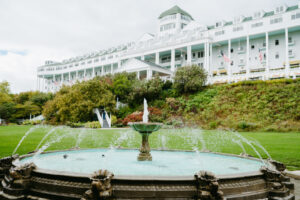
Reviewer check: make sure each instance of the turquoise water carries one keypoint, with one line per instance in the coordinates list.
(124, 162)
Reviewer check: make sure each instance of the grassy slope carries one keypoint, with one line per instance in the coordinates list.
(271, 105)
(284, 147)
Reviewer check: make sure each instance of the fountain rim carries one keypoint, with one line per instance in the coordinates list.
(16, 162)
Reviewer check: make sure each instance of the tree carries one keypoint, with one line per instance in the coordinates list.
(151, 90)
(76, 103)
(5, 96)
(123, 84)
(189, 79)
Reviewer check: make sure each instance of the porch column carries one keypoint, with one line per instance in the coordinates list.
(77, 75)
(37, 83)
(287, 59)
(149, 74)
(172, 60)
(157, 58)
(111, 68)
(93, 75)
(210, 56)
(143, 57)
(102, 71)
(62, 79)
(138, 75)
(267, 56)
(229, 56)
(119, 63)
(247, 58)
(189, 55)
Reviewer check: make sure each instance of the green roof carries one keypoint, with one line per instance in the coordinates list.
(174, 10)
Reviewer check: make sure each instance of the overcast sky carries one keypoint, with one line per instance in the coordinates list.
(32, 31)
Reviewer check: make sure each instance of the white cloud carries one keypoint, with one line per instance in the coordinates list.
(55, 29)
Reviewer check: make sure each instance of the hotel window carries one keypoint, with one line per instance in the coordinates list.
(238, 28)
(264, 44)
(200, 54)
(290, 40)
(276, 42)
(259, 24)
(253, 46)
(90, 61)
(277, 55)
(194, 55)
(76, 64)
(296, 16)
(96, 60)
(167, 27)
(103, 58)
(82, 63)
(231, 50)
(182, 26)
(184, 17)
(70, 66)
(219, 33)
(290, 52)
(241, 60)
(276, 20)
(265, 56)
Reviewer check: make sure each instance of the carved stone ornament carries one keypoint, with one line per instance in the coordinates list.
(100, 187)
(21, 175)
(6, 163)
(208, 186)
(277, 183)
(278, 165)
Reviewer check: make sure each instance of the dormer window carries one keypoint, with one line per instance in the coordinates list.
(239, 19)
(280, 9)
(219, 24)
(258, 14)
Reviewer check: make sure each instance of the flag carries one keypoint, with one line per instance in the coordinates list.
(226, 59)
(260, 55)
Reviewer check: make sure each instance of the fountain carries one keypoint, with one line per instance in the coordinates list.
(115, 173)
(145, 129)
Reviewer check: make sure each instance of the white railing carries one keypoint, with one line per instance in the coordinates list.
(100, 119)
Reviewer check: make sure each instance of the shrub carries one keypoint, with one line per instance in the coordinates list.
(213, 125)
(246, 126)
(94, 124)
(75, 124)
(134, 117)
(31, 122)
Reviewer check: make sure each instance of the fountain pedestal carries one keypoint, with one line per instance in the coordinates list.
(145, 129)
(145, 154)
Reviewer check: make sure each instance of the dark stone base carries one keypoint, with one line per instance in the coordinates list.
(144, 157)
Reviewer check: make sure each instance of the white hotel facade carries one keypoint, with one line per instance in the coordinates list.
(263, 46)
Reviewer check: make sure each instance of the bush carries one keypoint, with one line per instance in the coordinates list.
(31, 122)
(75, 125)
(134, 117)
(94, 124)
(246, 126)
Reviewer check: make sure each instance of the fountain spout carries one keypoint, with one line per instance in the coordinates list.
(146, 112)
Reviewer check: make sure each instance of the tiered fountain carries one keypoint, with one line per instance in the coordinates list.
(145, 129)
(83, 174)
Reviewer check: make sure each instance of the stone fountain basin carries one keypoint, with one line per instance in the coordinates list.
(60, 183)
(142, 127)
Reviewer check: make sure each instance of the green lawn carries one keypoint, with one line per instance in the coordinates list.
(284, 147)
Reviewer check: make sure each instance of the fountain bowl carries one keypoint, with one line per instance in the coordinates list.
(42, 177)
(143, 127)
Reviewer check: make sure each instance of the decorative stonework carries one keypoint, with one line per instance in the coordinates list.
(6, 163)
(207, 186)
(278, 165)
(276, 182)
(100, 187)
(20, 176)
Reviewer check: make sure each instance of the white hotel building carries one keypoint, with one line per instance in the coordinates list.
(263, 46)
